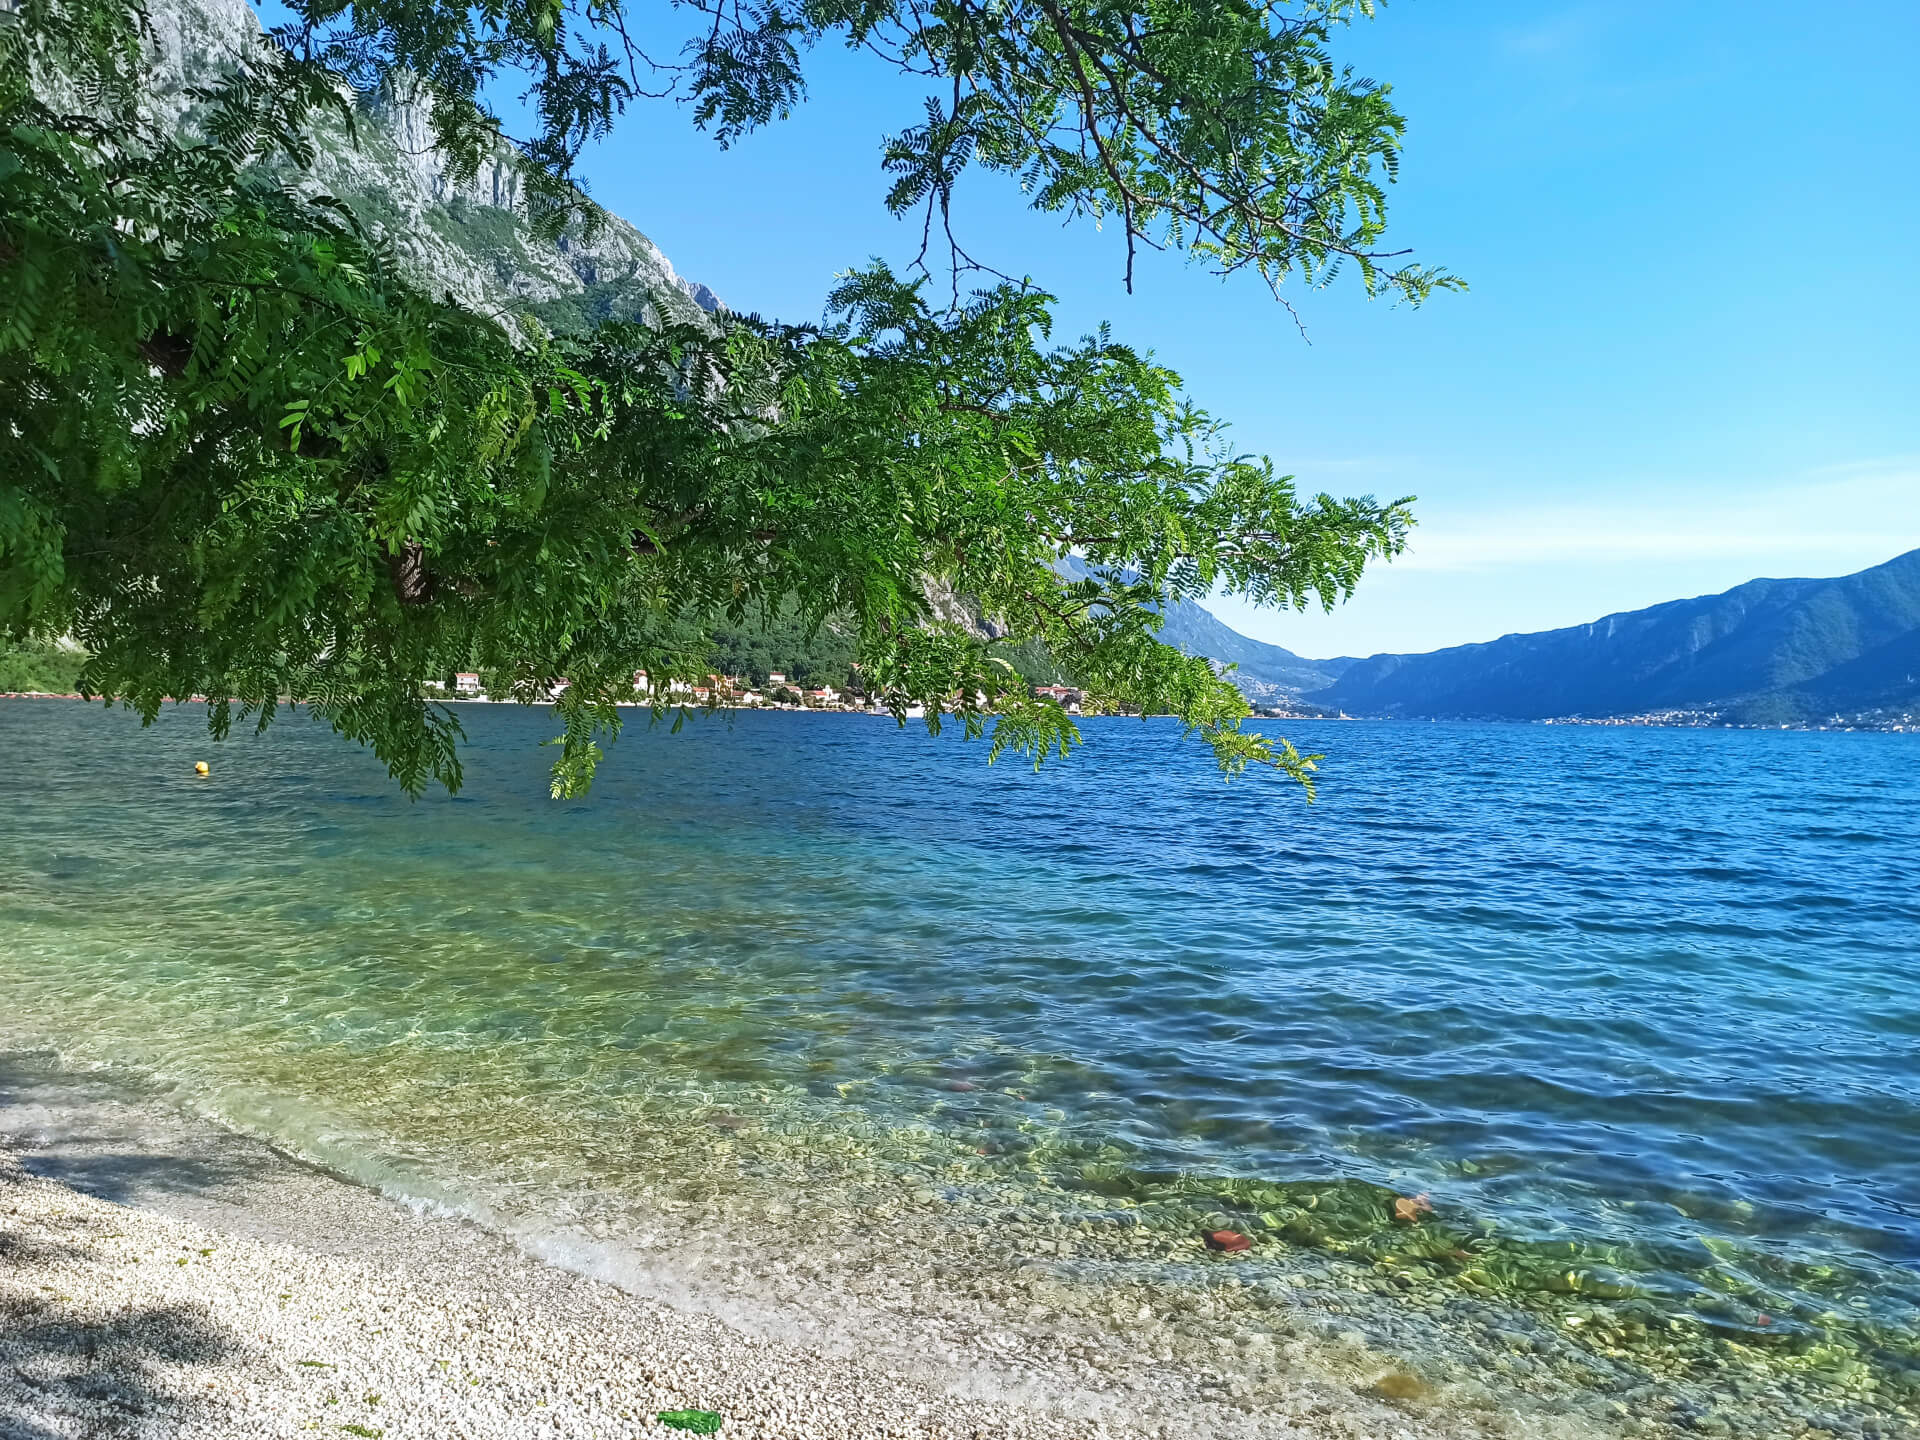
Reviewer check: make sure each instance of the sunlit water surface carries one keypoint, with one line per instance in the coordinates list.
(1633, 1009)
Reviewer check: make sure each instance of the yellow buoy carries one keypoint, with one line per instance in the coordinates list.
(200, 768)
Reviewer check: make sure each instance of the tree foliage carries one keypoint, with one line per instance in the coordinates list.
(243, 455)
(1221, 128)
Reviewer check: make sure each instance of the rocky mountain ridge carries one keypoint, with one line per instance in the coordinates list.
(467, 240)
(1266, 674)
(1768, 651)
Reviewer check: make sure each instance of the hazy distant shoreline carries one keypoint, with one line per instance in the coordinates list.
(1679, 721)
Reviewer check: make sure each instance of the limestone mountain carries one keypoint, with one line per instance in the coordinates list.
(472, 240)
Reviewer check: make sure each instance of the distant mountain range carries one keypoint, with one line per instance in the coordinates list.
(1769, 651)
(1266, 672)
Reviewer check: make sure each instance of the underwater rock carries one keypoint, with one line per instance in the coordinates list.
(1400, 1386)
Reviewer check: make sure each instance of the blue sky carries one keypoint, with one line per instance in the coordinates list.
(1691, 354)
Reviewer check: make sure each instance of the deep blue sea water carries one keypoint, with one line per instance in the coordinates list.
(1646, 995)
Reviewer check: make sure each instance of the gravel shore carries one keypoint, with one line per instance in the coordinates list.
(161, 1277)
(117, 1320)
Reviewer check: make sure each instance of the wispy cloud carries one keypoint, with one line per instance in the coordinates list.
(1837, 514)
(1551, 35)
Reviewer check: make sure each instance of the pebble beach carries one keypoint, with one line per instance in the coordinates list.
(162, 1277)
(124, 1320)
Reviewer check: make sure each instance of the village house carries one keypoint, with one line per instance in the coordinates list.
(643, 683)
(466, 683)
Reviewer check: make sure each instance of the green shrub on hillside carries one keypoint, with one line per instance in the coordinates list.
(42, 667)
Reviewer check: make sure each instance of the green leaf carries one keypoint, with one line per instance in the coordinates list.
(700, 1422)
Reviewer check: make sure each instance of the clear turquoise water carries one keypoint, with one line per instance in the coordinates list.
(1636, 1004)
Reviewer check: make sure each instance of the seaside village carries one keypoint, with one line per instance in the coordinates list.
(737, 692)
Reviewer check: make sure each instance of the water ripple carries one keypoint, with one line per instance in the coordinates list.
(1648, 986)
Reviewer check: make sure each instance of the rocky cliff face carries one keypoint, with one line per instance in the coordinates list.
(472, 240)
